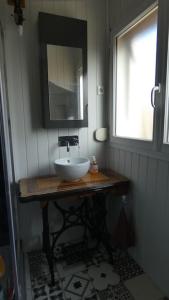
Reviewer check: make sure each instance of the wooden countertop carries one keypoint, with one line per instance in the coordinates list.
(51, 187)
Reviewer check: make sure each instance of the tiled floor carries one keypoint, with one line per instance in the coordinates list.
(94, 278)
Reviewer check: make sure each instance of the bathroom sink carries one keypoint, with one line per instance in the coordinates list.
(71, 168)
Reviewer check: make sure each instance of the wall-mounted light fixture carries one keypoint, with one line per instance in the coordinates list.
(18, 13)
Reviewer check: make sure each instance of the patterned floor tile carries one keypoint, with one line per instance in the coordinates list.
(65, 270)
(76, 253)
(59, 296)
(79, 286)
(103, 275)
(125, 265)
(39, 269)
(47, 291)
(100, 256)
(118, 292)
(92, 297)
(92, 278)
(54, 289)
(40, 292)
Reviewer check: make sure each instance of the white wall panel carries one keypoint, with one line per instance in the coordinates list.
(123, 11)
(161, 218)
(148, 202)
(34, 147)
(91, 16)
(15, 93)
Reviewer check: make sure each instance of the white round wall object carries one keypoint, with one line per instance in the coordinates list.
(101, 134)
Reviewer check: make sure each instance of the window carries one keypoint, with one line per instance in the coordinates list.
(135, 61)
(140, 60)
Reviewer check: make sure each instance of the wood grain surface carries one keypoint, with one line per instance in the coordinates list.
(50, 187)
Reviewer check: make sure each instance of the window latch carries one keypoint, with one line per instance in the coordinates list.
(156, 88)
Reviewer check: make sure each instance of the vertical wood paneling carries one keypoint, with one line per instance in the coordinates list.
(160, 244)
(63, 150)
(81, 13)
(34, 147)
(116, 159)
(149, 214)
(59, 7)
(91, 17)
(75, 149)
(47, 6)
(100, 68)
(83, 142)
(125, 11)
(134, 169)
(3, 13)
(42, 134)
(111, 160)
(127, 172)
(53, 149)
(29, 102)
(128, 164)
(121, 161)
(30, 225)
(81, 8)
(70, 8)
(15, 94)
(100, 74)
(140, 200)
(134, 192)
(150, 207)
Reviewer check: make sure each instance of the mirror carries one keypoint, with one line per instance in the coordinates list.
(63, 52)
(65, 82)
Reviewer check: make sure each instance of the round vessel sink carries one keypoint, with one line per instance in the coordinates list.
(71, 168)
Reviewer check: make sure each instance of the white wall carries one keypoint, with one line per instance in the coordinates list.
(150, 206)
(36, 148)
(149, 198)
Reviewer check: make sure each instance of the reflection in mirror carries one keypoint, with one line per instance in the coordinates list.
(65, 82)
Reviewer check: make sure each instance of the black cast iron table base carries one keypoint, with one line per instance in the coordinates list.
(90, 214)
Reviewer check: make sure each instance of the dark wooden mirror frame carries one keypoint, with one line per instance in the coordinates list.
(62, 31)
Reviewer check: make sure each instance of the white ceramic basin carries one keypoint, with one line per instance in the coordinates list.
(71, 168)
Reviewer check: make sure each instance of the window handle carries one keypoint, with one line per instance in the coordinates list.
(156, 88)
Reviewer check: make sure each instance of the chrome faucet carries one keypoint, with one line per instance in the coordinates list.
(68, 146)
(67, 141)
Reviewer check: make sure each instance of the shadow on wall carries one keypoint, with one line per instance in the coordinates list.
(32, 238)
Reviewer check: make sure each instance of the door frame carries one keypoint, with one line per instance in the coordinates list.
(8, 171)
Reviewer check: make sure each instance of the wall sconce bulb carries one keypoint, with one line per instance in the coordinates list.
(20, 29)
(18, 15)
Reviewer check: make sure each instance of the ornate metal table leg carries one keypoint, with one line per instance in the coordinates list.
(46, 241)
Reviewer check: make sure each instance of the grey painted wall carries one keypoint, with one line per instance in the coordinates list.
(36, 148)
(149, 197)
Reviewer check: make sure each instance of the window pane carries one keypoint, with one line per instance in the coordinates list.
(135, 77)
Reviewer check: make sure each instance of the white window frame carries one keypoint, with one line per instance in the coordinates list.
(156, 146)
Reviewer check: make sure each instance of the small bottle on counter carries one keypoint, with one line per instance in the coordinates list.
(94, 166)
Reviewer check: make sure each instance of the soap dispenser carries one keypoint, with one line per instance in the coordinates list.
(94, 166)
